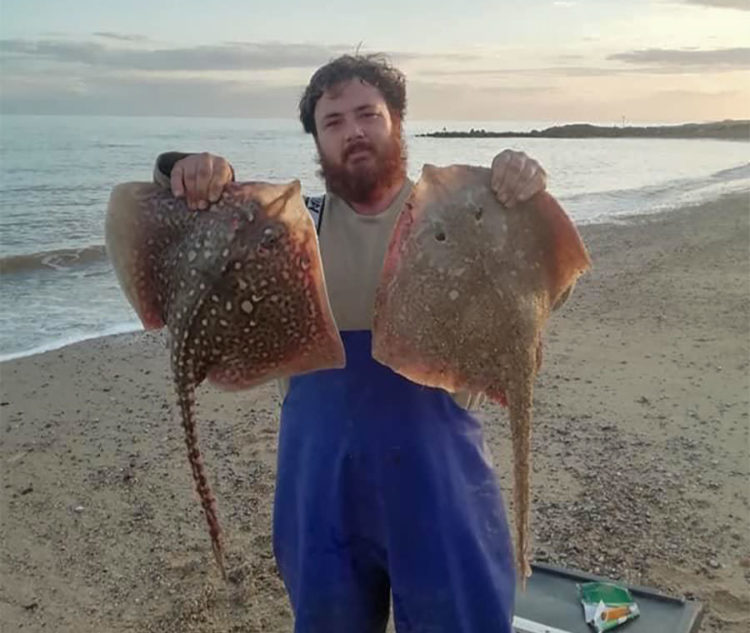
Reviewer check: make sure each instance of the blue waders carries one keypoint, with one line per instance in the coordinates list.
(383, 486)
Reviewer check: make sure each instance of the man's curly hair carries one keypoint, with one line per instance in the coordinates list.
(373, 69)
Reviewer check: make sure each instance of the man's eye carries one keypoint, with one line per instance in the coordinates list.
(332, 123)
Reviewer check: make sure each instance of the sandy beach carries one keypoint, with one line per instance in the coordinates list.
(641, 453)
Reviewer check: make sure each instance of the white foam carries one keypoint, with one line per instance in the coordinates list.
(59, 343)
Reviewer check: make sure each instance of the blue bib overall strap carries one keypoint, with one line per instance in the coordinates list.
(315, 206)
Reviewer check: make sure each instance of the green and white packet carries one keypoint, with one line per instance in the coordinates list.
(606, 605)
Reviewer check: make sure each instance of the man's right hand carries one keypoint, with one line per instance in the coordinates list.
(200, 179)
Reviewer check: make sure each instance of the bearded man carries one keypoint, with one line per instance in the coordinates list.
(384, 487)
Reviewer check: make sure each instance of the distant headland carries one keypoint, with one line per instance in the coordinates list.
(731, 130)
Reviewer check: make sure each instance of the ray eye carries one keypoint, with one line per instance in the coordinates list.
(440, 236)
(271, 236)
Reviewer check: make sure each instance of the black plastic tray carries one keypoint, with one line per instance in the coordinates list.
(551, 600)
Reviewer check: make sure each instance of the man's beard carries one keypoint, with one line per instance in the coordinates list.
(365, 183)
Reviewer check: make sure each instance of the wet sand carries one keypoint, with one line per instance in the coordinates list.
(641, 453)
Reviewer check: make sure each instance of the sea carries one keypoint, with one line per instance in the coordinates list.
(56, 173)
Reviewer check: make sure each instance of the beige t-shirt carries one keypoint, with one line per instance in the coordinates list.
(352, 247)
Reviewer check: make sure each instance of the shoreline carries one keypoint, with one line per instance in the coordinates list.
(640, 447)
(624, 220)
(729, 130)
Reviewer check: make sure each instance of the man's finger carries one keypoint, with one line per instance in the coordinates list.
(524, 176)
(499, 167)
(215, 187)
(506, 190)
(537, 182)
(175, 181)
(203, 178)
(189, 178)
(221, 176)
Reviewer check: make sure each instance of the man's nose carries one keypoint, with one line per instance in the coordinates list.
(354, 130)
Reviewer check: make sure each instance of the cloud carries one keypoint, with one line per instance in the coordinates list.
(430, 100)
(121, 37)
(579, 71)
(125, 76)
(180, 96)
(741, 5)
(111, 94)
(237, 56)
(648, 61)
(530, 72)
(734, 58)
(129, 75)
(229, 56)
(115, 95)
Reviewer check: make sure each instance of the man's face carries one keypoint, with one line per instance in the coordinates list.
(359, 142)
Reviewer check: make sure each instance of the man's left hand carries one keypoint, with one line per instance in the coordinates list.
(516, 177)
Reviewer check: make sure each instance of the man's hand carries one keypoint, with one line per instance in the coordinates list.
(516, 177)
(200, 179)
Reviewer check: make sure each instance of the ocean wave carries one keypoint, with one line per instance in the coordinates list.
(38, 189)
(733, 173)
(71, 339)
(597, 206)
(615, 206)
(59, 259)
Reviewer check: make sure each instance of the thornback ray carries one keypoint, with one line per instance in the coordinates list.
(239, 287)
(466, 288)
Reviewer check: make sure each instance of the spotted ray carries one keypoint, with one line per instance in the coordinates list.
(240, 288)
(466, 288)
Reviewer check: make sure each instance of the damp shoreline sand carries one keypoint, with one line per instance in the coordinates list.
(640, 452)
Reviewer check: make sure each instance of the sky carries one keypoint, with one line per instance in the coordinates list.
(542, 60)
